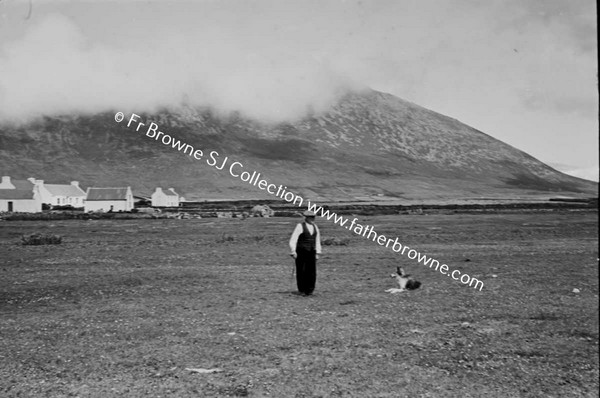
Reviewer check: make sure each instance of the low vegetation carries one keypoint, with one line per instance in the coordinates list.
(335, 241)
(40, 239)
(125, 307)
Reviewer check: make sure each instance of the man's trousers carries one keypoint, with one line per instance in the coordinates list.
(306, 270)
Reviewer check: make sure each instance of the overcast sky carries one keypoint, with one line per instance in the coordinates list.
(522, 71)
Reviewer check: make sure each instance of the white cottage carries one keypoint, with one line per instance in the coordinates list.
(60, 194)
(108, 199)
(19, 196)
(168, 198)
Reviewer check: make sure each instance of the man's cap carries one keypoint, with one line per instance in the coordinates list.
(309, 213)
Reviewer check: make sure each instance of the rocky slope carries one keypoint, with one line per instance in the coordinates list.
(369, 146)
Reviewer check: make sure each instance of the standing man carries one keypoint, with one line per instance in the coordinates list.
(305, 245)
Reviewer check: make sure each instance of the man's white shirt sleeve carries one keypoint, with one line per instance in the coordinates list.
(318, 240)
(294, 238)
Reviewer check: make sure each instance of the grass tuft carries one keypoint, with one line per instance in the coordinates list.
(40, 239)
(335, 241)
(225, 238)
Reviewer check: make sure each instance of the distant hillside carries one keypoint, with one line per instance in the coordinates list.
(369, 146)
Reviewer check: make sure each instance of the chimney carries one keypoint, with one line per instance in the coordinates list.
(35, 182)
(75, 183)
(173, 190)
(158, 189)
(5, 180)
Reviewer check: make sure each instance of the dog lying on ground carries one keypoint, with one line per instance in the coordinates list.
(405, 282)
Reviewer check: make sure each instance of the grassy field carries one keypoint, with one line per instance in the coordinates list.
(122, 307)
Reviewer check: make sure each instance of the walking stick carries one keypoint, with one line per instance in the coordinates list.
(293, 270)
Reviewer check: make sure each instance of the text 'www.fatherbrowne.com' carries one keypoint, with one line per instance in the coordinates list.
(236, 169)
(367, 231)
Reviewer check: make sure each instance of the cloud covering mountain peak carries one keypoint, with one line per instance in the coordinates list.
(55, 69)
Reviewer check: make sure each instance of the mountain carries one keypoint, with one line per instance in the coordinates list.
(369, 146)
(587, 173)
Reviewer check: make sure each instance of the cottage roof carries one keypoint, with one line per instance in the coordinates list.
(22, 184)
(16, 194)
(166, 192)
(64, 190)
(107, 194)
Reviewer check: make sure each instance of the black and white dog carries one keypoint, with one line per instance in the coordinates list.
(405, 282)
